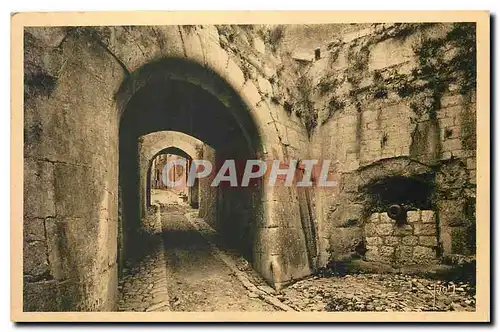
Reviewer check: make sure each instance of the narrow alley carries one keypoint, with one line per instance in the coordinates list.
(185, 273)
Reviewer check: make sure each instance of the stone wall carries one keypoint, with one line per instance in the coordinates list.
(413, 242)
(70, 173)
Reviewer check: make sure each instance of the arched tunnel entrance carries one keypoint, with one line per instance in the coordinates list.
(155, 183)
(163, 102)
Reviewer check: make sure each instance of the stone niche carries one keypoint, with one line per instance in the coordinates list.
(412, 242)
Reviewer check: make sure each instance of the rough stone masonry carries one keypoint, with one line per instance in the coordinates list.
(391, 105)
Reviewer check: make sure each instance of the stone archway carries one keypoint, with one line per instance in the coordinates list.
(76, 145)
(164, 102)
(152, 144)
(155, 173)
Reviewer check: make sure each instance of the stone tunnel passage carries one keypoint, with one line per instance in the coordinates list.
(168, 104)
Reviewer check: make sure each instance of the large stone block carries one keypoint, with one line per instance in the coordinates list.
(403, 230)
(344, 241)
(410, 240)
(38, 189)
(372, 254)
(392, 240)
(34, 229)
(250, 93)
(173, 45)
(413, 216)
(386, 252)
(423, 254)
(77, 191)
(373, 241)
(264, 86)
(279, 270)
(428, 241)
(428, 216)
(425, 229)
(385, 229)
(389, 53)
(234, 75)
(385, 219)
(374, 218)
(215, 57)
(192, 45)
(404, 254)
(35, 261)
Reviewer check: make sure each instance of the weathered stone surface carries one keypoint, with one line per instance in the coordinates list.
(385, 229)
(386, 251)
(425, 229)
(71, 202)
(34, 229)
(389, 53)
(373, 241)
(404, 254)
(385, 219)
(423, 254)
(35, 263)
(409, 240)
(234, 75)
(391, 240)
(372, 254)
(428, 216)
(345, 244)
(451, 212)
(38, 189)
(428, 241)
(371, 230)
(374, 218)
(413, 216)
(403, 230)
(460, 243)
(40, 296)
(264, 86)
(250, 93)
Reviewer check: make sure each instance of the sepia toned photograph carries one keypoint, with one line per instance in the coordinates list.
(247, 166)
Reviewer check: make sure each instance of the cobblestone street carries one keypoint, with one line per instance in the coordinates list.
(198, 279)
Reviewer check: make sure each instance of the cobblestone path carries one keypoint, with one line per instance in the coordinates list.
(144, 287)
(181, 271)
(198, 279)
